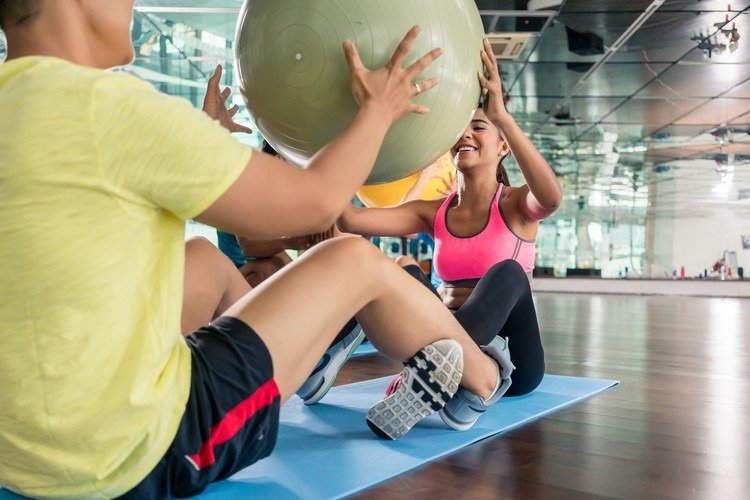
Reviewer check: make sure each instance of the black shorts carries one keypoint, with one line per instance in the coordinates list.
(232, 415)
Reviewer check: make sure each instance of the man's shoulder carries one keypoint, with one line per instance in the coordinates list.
(119, 80)
(62, 75)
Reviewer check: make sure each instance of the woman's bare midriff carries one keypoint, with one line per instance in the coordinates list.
(454, 296)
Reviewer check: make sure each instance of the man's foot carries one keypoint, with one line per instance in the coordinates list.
(465, 408)
(319, 382)
(430, 378)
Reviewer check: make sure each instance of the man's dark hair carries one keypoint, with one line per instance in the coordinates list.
(18, 11)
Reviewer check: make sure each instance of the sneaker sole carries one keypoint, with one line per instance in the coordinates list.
(430, 378)
(329, 373)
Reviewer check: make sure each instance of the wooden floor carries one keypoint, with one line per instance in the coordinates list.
(678, 426)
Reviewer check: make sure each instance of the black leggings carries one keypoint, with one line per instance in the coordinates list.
(501, 304)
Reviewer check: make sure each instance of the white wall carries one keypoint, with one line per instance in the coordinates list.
(701, 241)
(707, 219)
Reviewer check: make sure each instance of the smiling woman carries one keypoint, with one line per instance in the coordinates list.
(484, 233)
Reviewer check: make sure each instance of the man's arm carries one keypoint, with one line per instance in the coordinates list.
(272, 198)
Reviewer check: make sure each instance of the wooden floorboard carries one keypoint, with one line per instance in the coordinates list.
(677, 426)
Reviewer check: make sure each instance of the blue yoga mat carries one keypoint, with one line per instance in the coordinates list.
(327, 450)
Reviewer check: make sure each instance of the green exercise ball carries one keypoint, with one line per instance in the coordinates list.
(295, 80)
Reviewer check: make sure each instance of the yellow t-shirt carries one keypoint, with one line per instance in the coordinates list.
(98, 173)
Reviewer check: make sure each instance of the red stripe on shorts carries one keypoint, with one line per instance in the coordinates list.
(233, 422)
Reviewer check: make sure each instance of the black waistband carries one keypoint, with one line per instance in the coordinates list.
(467, 283)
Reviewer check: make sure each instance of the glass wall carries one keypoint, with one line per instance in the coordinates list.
(178, 60)
(600, 229)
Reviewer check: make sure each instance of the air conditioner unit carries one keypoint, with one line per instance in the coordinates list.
(508, 46)
(543, 4)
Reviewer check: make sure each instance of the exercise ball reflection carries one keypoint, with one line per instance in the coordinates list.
(295, 80)
(393, 193)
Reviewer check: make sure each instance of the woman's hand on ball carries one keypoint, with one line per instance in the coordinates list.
(492, 87)
(215, 104)
(392, 86)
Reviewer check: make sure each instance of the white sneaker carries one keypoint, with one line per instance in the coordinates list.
(430, 378)
(319, 382)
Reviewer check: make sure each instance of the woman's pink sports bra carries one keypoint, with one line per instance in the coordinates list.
(460, 258)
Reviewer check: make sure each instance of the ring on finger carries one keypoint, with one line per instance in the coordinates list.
(418, 88)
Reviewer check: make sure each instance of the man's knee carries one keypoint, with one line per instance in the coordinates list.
(353, 248)
(352, 254)
(405, 260)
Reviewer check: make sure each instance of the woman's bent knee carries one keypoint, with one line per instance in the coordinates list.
(507, 265)
(507, 270)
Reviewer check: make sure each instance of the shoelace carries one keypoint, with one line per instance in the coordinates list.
(394, 385)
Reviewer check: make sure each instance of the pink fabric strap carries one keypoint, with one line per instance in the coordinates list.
(458, 258)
